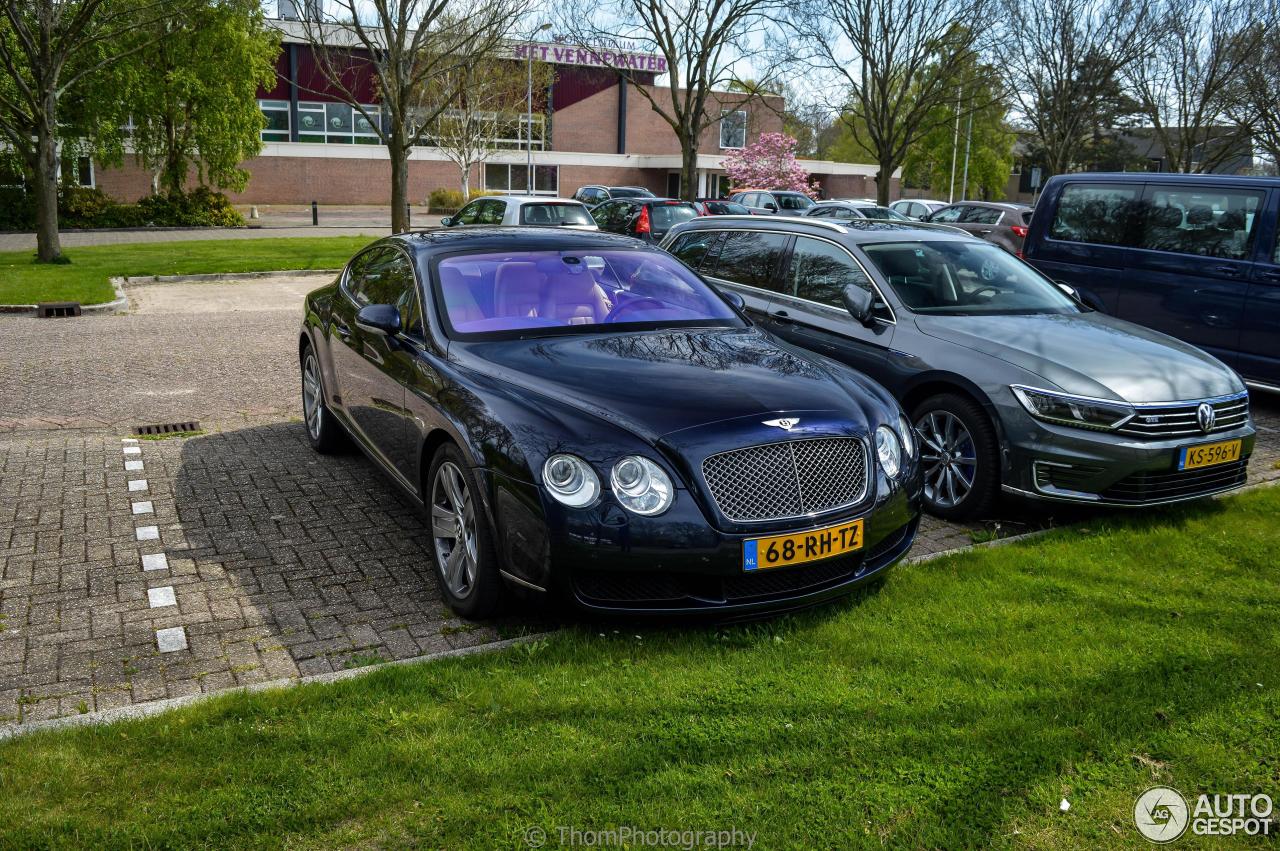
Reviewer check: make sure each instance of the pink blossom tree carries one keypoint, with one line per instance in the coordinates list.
(769, 163)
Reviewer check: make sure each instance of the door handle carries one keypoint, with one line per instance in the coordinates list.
(1229, 271)
(985, 232)
(782, 316)
(1269, 275)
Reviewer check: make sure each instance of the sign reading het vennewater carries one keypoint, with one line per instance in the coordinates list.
(569, 55)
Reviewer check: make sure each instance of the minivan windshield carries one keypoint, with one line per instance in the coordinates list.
(965, 278)
(514, 294)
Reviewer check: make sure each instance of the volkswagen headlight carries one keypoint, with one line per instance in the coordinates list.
(571, 480)
(888, 451)
(1079, 411)
(907, 435)
(641, 486)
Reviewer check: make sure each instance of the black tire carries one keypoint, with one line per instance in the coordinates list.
(943, 481)
(481, 591)
(324, 432)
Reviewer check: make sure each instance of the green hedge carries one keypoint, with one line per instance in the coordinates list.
(81, 207)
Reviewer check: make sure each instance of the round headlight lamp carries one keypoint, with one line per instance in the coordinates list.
(907, 435)
(641, 486)
(570, 480)
(888, 451)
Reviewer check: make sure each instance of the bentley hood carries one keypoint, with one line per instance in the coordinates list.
(660, 382)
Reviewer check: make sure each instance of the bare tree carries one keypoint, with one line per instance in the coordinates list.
(1187, 83)
(1065, 59)
(701, 43)
(403, 50)
(48, 48)
(475, 123)
(895, 61)
(1257, 102)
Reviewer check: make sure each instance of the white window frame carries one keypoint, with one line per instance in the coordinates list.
(728, 112)
(550, 193)
(313, 109)
(277, 106)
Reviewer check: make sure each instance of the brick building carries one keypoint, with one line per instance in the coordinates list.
(591, 127)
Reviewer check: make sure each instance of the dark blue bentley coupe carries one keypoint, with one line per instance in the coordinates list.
(581, 416)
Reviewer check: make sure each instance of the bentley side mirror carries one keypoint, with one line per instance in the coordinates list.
(736, 300)
(381, 319)
(859, 302)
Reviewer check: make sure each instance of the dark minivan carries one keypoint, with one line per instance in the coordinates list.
(1194, 256)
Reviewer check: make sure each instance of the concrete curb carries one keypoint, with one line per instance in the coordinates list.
(1039, 533)
(117, 305)
(157, 707)
(224, 276)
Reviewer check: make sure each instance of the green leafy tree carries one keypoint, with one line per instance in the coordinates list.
(192, 95)
(51, 52)
(988, 139)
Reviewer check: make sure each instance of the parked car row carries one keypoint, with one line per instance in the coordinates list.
(741, 413)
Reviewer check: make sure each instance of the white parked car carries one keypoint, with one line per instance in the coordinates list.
(536, 210)
(916, 208)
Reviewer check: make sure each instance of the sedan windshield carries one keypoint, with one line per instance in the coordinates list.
(545, 293)
(965, 278)
(555, 214)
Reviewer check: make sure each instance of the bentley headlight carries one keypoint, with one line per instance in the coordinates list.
(888, 451)
(571, 480)
(641, 486)
(907, 435)
(1072, 410)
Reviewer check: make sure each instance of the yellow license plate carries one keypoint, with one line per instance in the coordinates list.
(1208, 454)
(783, 550)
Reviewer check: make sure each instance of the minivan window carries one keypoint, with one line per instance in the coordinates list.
(749, 258)
(965, 278)
(1209, 222)
(1096, 213)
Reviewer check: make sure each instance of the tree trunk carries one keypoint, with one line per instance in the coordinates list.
(466, 183)
(884, 179)
(689, 169)
(399, 187)
(48, 246)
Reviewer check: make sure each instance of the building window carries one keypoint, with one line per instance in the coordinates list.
(504, 177)
(733, 129)
(310, 122)
(505, 132)
(366, 133)
(276, 112)
(75, 170)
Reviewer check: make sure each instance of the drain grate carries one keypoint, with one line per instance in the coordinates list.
(167, 428)
(55, 309)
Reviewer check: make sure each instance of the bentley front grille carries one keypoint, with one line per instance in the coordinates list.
(776, 481)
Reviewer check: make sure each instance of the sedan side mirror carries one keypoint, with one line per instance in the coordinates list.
(771, 207)
(860, 303)
(447, 222)
(380, 319)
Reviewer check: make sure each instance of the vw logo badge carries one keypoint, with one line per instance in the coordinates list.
(1206, 417)
(786, 424)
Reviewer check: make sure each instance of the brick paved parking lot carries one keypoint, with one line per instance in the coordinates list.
(252, 557)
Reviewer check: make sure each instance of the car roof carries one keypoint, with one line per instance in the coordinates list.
(509, 238)
(992, 205)
(1164, 177)
(538, 199)
(857, 231)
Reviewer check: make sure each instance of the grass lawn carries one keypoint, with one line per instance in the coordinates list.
(86, 278)
(953, 707)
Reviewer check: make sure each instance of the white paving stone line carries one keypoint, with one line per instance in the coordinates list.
(174, 638)
(157, 707)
